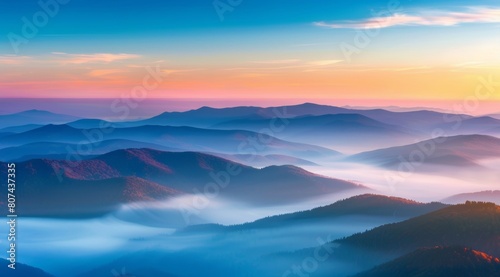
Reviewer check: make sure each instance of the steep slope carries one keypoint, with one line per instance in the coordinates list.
(439, 262)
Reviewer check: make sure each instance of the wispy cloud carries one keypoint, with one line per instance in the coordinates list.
(279, 65)
(105, 73)
(423, 18)
(13, 60)
(324, 62)
(289, 61)
(93, 58)
(172, 71)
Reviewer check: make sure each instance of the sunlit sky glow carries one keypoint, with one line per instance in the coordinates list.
(419, 51)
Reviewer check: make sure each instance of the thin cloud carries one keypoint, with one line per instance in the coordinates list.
(93, 58)
(290, 65)
(105, 72)
(427, 18)
(13, 60)
(324, 62)
(172, 71)
(289, 61)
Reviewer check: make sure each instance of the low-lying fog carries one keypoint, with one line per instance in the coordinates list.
(424, 183)
(141, 238)
(134, 238)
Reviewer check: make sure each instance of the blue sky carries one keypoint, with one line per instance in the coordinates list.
(98, 45)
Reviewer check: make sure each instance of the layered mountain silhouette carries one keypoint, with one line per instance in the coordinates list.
(474, 225)
(186, 138)
(482, 196)
(457, 151)
(20, 128)
(329, 130)
(475, 125)
(206, 116)
(21, 270)
(74, 152)
(34, 117)
(265, 160)
(132, 175)
(71, 151)
(363, 205)
(439, 262)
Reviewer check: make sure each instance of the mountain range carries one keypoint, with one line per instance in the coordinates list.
(475, 225)
(21, 270)
(133, 175)
(34, 117)
(367, 205)
(455, 151)
(206, 116)
(186, 138)
(330, 130)
(492, 196)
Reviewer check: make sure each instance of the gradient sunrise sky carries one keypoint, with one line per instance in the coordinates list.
(413, 52)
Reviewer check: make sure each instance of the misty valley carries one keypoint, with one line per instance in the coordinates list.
(300, 190)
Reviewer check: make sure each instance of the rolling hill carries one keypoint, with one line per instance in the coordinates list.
(20, 128)
(476, 125)
(456, 151)
(330, 130)
(186, 138)
(21, 270)
(483, 196)
(124, 176)
(473, 225)
(34, 117)
(439, 262)
(206, 116)
(70, 151)
(362, 205)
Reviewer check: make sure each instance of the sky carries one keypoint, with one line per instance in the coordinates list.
(370, 52)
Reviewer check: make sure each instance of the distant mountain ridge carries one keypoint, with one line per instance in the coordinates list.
(459, 151)
(483, 196)
(151, 174)
(21, 270)
(34, 117)
(361, 205)
(183, 138)
(206, 116)
(330, 130)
